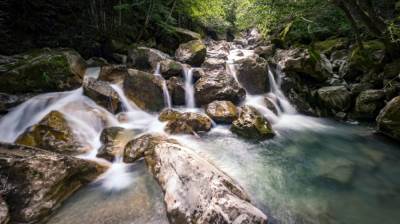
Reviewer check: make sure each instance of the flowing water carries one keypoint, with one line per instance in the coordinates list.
(167, 97)
(313, 171)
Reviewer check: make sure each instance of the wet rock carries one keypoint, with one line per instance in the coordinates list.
(195, 191)
(52, 133)
(113, 73)
(170, 68)
(269, 103)
(340, 171)
(43, 70)
(103, 94)
(220, 86)
(147, 59)
(369, 103)
(265, 51)
(188, 123)
(214, 64)
(113, 141)
(169, 115)
(192, 53)
(36, 182)
(4, 213)
(389, 119)
(96, 62)
(198, 73)
(144, 89)
(8, 101)
(222, 111)
(176, 88)
(336, 98)
(252, 125)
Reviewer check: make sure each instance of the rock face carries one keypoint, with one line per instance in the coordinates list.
(220, 86)
(192, 53)
(52, 133)
(37, 181)
(4, 213)
(195, 191)
(389, 119)
(185, 123)
(43, 70)
(103, 94)
(114, 140)
(222, 111)
(144, 89)
(113, 73)
(252, 125)
(176, 88)
(337, 98)
(369, 103)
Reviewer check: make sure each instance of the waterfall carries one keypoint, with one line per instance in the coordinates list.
(276, 92)
(189, 88)
(126, 104)
(167, 97)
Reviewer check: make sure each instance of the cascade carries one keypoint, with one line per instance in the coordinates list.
(167, 97)
(189, 88)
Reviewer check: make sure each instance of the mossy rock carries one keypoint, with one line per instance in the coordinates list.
(192, 53)
(43, 70)
(328, 46)
(366, 59)
(389, 119)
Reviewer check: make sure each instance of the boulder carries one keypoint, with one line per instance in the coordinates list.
(96, 62)
(113, 73)
(8, 101)
(369, 103)
(220, 86)
(147, 59)
(195, 191)
(113, 141)
(192, 53)
(222, 111)
(170, 68)
(176, 88)
(214, 64)
(36, 181)
(4, 213)
(185, 35)
(389, 119)
(271, 105)
(45, 70)
(340, 171)
(169, 115)
(187, 123)
(331, 45)
(144, 89)
(103, 94)
(52, 133)
(265, 51)
(336, 98)
(252, 125)
(357, 88)
(392, 70)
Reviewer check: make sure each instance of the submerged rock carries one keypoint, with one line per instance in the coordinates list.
(103, 94)
(113, 73)
(252, 125)
(176, 88)
(222, 111)
(340, 170)
(389, 119)
(192, 53)
(336, 98)
(43, 70)
(195, 191)
(220, 86)
(113, 141)
(52, 133)
(145, 90)
(37, 181)
(369, 103)
(185, 123)
(4, 213)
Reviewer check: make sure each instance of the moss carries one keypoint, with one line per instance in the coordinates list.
(363, 59)
(328, 46)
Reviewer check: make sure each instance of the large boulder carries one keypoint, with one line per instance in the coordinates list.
(113, 73)
(185, 35)
(144, 89)
(113, 141)
(389, 119)
(369, 103)
(52, 133)
(252, 125)
(4, 213)
(192, 53)
(222, 111)
(220, 86)
(170, 68)
(336, 98)
(185, 123)
(176, 88)
(145, 58)
(35, 182)
(103, 94)
(43, 70)
(195, 191)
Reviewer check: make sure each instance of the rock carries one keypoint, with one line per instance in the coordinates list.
(222, 111)
(392, 89)
(331, 45)
(43, 70)
(389, 119)
(188, 123)
(339, 170)
(4, 213)
(265, 51)
(198, 73)
(120, 58)
(252, 125)
(192, 53)
(214, 64)
(336, 98)
(8, 101)
(185, 35)
(220, 86)
(170, 68)
(96, 62)
(169, 115)
(103, 94)
(36, 181)
(357, 88)
(369, 103)
(176, 88)
(144, 89)
(145, 58)
(392, 70)
(113, 73)
(195, 191)
(52, 133)
(113, 141)
(270, 104)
